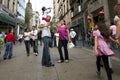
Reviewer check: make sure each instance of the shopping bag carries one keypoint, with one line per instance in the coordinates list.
(71, 45)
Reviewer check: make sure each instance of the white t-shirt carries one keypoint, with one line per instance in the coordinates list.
(113, 29)
(46, 31)
(27, 34)
(72, 34)
(46, 12)
(116, 18)
(34, 33)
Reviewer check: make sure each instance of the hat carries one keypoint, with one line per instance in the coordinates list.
(71, 29)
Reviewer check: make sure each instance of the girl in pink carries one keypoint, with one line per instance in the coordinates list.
(101, 49)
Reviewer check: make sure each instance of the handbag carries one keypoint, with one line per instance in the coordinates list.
(71, 45)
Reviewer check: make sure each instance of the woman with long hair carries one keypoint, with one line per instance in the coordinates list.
(101, 49)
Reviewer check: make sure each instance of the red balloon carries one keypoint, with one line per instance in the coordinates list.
(101, 13)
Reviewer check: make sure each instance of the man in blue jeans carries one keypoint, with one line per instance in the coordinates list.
(46, 59)
(9, 40)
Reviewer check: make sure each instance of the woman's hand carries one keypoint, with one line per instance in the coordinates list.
(96, 52)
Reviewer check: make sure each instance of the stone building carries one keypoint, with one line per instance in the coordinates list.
(35, 19)
(8, 14)
(62, 11)
(90, 8)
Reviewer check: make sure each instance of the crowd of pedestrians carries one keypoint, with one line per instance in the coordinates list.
(99, 36)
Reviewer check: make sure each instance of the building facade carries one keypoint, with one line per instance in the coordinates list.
(35, 19)
(81, 9)
(62, 11)
(20, 16)
(8, 14)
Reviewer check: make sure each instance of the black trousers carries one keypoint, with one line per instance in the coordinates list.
(27, 45)
(63, 43)
(106, 64)
(74, 41)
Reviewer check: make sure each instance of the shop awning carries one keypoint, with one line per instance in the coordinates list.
(78, 24)
(7, 19)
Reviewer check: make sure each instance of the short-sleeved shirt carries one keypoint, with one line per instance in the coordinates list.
(113, 29)
(34, 32)
(102, 46)
(46, 31)
(27, 34)
(63, 35)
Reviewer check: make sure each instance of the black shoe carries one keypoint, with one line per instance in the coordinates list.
(51, 65)
(9, 57)
(4, 58)
(28, 54)
(111, 70)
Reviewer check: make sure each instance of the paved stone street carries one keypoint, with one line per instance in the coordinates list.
(81, 66)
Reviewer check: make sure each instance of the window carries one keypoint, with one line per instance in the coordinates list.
(8, 4)
(64, 9)
(13, 6)
(1, 1)
(67, 6)
(80, 2)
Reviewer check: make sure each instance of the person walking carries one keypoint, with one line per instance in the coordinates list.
(101, 49)
(40, 37)
(1, 41)
(26, 37)
(46, 59)
(117, 23)
(64, 37)
(20, 37)
(73, 36)
(34, 34)
(113, 34)
(9, 41)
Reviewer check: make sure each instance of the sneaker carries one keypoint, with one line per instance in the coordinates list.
(36, 54)
(51, 65)
(66, 61)
(60, 61)
(4, 58)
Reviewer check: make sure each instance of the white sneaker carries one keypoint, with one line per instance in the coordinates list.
(36, 54)
(66, 61)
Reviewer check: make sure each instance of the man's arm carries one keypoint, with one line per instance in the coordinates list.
(44, 25)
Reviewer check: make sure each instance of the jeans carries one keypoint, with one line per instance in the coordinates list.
(46, 60)
(8, 50)
(63, 43)
(27, 45)
(35, 46)
(106, 64)
(113, 45)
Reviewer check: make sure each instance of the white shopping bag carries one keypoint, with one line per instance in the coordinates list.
(71, 45)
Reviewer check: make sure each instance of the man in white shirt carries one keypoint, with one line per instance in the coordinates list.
(46, 59)
(34, 37)
(73, 36)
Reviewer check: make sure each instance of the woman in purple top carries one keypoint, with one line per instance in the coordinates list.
(64, 37)
(101, 49)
